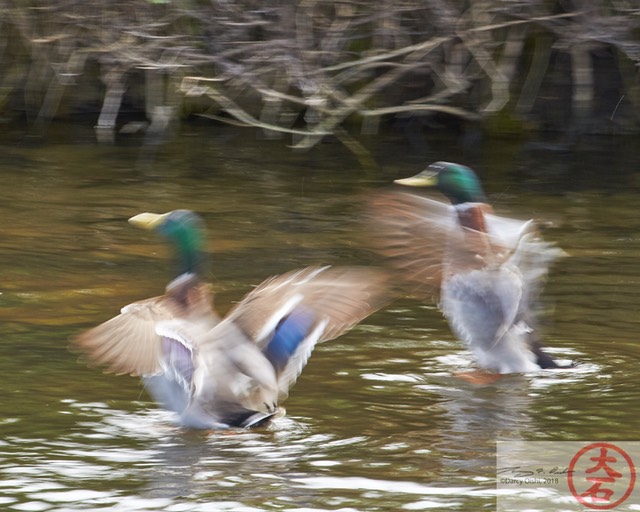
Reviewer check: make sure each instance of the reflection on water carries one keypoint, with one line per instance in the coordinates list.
(378, 419)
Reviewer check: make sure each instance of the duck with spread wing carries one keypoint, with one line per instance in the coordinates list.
(486, 271)
(234, 371)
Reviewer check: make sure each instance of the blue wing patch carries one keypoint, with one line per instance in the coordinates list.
(289, 334)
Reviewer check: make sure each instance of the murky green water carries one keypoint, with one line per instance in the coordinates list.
(378, 421)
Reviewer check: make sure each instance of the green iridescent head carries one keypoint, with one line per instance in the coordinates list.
(458, 182)
(185, 231)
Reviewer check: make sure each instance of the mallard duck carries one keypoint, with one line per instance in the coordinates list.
(231, 372)
(485, 270)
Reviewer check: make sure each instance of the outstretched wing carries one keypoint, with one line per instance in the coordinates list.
(410, 232)
(426, 240)
(338, 296)
(130, 342)
(288, 314)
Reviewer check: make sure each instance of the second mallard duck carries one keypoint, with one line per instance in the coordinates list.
(236, 371)
(486, 270)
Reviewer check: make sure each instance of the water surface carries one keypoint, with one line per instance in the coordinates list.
(378, 419)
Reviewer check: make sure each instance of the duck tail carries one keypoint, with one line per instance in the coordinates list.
(544, 360)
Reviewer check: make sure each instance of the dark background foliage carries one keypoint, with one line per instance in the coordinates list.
(312, 68)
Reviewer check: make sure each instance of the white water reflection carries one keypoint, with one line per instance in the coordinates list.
(114, 452)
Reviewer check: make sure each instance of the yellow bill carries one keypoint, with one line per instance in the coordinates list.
(426, 178)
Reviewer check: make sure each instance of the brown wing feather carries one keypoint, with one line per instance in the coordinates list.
(128, 343)
(343, 296)
(425, 240)
(410, 232)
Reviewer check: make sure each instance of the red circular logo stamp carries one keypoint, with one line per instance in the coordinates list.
(601, 476)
